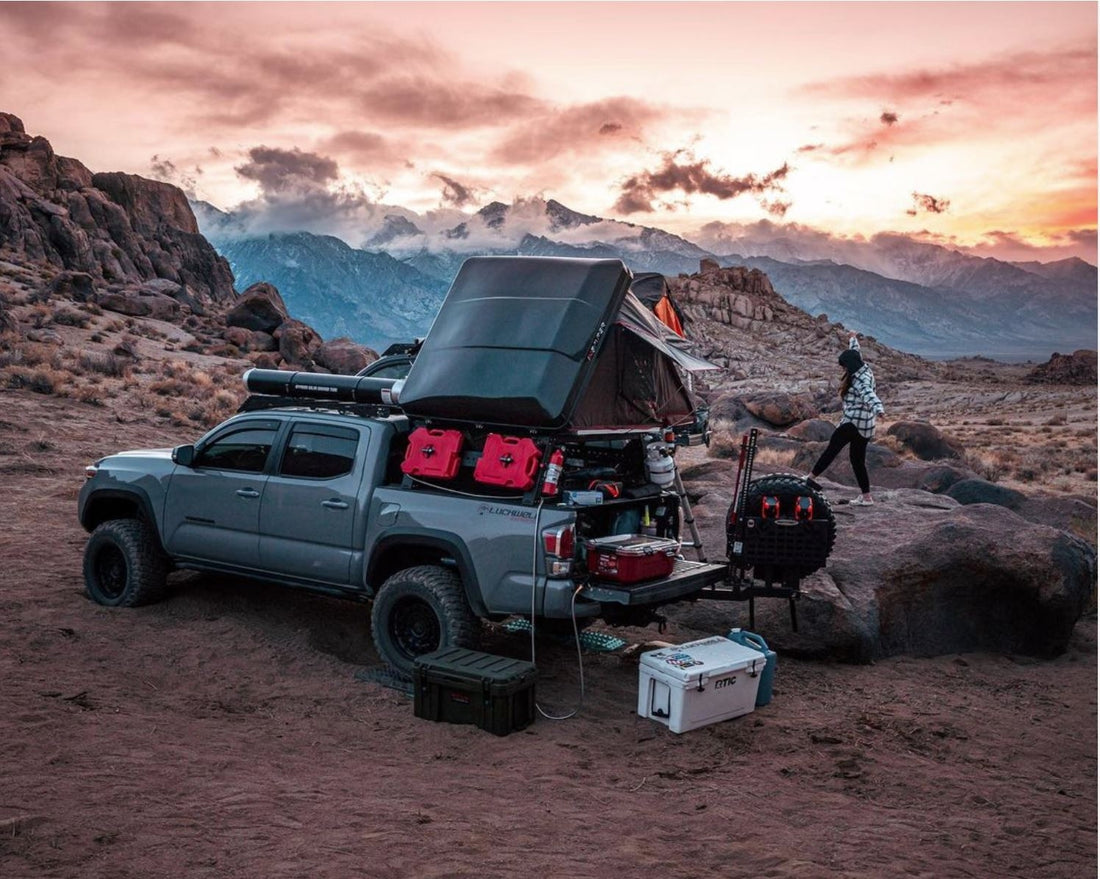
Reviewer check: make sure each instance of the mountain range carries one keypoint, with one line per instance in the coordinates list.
(914, 296)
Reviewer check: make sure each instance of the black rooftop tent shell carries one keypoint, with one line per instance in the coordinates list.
(533, 343)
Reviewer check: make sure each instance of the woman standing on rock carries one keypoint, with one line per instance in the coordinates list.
(857, 424)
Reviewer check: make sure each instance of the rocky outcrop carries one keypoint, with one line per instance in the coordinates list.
(343, 356)
(981, 491)
(1078, 368)
(916, 574)
(119, 229)
(924, 440)
(297, 342)
(260, 308)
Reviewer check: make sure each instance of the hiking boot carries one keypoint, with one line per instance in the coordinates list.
(862, 502)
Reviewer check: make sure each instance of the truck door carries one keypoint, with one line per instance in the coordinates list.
(308, 514)
(212, 510)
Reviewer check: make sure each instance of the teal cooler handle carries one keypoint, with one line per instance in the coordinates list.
(755, 642)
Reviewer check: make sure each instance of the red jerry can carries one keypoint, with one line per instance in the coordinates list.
(433, 454)
(508, 461)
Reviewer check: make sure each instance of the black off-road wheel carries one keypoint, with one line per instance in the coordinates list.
(124, 565)
(788, 488)
(420, 610)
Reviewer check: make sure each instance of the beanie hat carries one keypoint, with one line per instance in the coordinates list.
(850, 360)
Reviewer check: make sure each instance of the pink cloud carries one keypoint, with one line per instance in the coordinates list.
(692, 176)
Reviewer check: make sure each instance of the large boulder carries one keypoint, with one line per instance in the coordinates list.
(260, 307)
(815, 430)
(74, 286)
(980, 491)
(139, 303)
(780, 410)
(343, 356)
(924, 440)
(297, 343)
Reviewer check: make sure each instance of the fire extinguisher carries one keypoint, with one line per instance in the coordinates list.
(553, 473)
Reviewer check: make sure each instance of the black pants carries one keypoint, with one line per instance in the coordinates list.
(857, 454)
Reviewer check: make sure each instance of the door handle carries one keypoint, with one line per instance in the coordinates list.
(247, 492)
(335, 504)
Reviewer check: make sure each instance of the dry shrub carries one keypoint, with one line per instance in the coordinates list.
(41, 316)
(1060, 418)
(105, 363)
(171, 387)
(988, 465)
(69, 317)
(87, 394)
(42, 355)
(41, 380)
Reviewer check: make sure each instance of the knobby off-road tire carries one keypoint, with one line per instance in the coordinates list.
(788, 487)
(420, 610)
(124, 565)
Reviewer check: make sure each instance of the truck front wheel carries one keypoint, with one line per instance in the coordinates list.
(419, 610)
(123, 565)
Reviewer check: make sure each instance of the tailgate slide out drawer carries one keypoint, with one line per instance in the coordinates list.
(687, 578)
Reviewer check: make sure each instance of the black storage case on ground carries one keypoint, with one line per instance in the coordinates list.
(456, 685)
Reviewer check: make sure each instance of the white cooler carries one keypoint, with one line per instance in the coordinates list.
(700, 682)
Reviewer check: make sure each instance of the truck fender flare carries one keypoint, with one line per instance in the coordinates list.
(134, 494)
(427, 538)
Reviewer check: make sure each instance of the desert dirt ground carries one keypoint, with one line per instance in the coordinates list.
(224, 733)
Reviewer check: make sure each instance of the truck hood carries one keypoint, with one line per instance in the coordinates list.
(157, 454)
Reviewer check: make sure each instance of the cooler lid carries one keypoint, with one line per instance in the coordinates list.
(709, 657)
(515, 341)
(634, 545)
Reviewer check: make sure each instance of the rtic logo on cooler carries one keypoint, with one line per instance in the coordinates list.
(725, 682)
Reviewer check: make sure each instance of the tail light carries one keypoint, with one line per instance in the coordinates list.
(769, 507)
(90, 471)
(804, 508)
(559, 545)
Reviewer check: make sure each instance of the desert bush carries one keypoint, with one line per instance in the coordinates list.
(774, 457)
(42, 355)
(41, 380)
(93, 396)
(70, 317)
(105, 363)
(41, 316)
(987, 465)
(171, 387)
(1060, 418)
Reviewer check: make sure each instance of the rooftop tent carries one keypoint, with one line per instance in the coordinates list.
(652, 290)
(547, 344)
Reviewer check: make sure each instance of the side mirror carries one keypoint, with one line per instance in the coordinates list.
(183, 455)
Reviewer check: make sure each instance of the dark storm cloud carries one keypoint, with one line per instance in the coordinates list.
(692, 177)
(888, 118)
(166, 170)
(928, 204)
(611, 128)
(278, 170)
(454, 193)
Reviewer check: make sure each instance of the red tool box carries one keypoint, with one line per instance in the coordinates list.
(631, 558)
(508, 461)
(434, 454)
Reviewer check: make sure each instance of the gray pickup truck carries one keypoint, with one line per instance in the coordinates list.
(559, 421)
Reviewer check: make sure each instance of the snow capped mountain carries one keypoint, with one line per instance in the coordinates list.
(912, 295)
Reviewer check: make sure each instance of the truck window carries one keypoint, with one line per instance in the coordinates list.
(244, 450)
(319, 452)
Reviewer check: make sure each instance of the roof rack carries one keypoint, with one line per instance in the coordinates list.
(260, 402)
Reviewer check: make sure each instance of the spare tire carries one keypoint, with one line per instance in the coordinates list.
(781, 548)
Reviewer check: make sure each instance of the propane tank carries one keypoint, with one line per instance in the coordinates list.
(553, 473)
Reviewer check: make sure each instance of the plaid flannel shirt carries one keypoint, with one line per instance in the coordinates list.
(861, 404)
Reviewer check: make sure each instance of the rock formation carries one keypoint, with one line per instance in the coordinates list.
(117, 229)
(1078, 368)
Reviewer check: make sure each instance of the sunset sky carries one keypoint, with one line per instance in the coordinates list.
(967, 124)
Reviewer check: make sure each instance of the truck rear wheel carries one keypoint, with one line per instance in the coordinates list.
(123, 565)
(420, 610)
